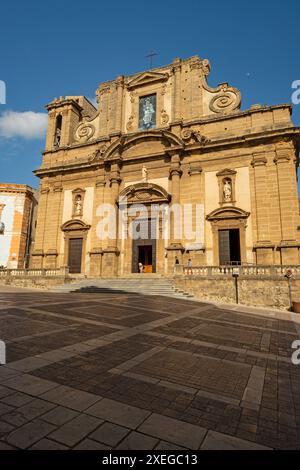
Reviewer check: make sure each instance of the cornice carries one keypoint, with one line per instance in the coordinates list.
(182, 123)
(211, 145)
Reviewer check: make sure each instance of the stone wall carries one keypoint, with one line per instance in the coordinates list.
(35, 282)
(266, 292)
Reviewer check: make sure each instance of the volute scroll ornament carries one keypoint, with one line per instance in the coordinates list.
(164, 117)
(84, 132)
(188, 134)
(98, 154)
(225, 101)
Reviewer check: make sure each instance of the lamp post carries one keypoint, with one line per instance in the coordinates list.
(235, 275)
(288, 275)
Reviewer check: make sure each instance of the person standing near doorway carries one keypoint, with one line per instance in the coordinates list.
(190, 266)
(176, 264)
(141, 268)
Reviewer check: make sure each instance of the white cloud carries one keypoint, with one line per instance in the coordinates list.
(28, 124)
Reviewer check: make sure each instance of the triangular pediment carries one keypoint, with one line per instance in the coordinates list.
(226, 172)
(146, 78)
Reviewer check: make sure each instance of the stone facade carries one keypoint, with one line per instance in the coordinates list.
(165, 137)
(17, 209)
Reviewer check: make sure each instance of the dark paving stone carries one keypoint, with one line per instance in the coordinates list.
(110, 434)
(27, 435)
(28, 412)
(48, 444)
(175, 431)
(85, 355)
(119, 413)
(89, 444)
(137, 441)
(75, 430)
(59, 415)
(71, 398)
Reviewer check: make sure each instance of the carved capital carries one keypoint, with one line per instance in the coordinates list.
(195, 169)
(175, 172)
(45, 190)
(100, 183)
(283, 155)
(259, 159)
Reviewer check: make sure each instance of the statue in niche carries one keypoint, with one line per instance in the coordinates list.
(57, 138)
(144, 173)
(78, 205)
(227, 190)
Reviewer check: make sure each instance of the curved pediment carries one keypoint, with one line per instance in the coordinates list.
(74, 224)
(167, 140)
(144, 193)
(228, 212)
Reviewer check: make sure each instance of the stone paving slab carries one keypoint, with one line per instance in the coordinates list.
(27, 435)
(137, 441)
(75, 430)
(110, 434)
(119, 413)
(71, 398)
(175, 431)
(218, 441)
(28, 412)
(30, 384)
(95, 371)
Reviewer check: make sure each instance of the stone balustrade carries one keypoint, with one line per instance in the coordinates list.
(20, 273)
(241, 270)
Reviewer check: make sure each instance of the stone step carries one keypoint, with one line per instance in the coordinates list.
(134, 285)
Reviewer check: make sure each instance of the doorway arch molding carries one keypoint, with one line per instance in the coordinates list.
(75, 229)
(226, 218)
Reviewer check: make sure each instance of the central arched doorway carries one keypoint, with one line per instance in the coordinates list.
(144, 241)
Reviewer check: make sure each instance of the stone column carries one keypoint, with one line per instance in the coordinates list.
(119, 104)
(96, 242)
(263, 246)
(102, 97)
(288, 202)
(177, 90)
(195, 91)
(50, 130)
(196, 192)
(111, 251)
(175, 247)
(52, 228)
(38, 252)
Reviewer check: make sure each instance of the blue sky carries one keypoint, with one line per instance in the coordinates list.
(54, 48)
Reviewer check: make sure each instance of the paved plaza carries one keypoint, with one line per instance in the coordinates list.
(128, 371)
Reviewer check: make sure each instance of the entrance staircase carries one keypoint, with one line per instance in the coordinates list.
(144, 284)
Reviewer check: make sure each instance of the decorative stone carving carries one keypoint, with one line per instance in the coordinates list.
(144, 193)
(84, 132)
(144, 173)
(78, 198)
(227, 190)
(186, 134)
(225, 101)
(98, 154)
(164, 117)
(226, 181)
(205, 66)
(129, 124)
(259, 159)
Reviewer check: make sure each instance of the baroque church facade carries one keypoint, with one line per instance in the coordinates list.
(164, 139)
